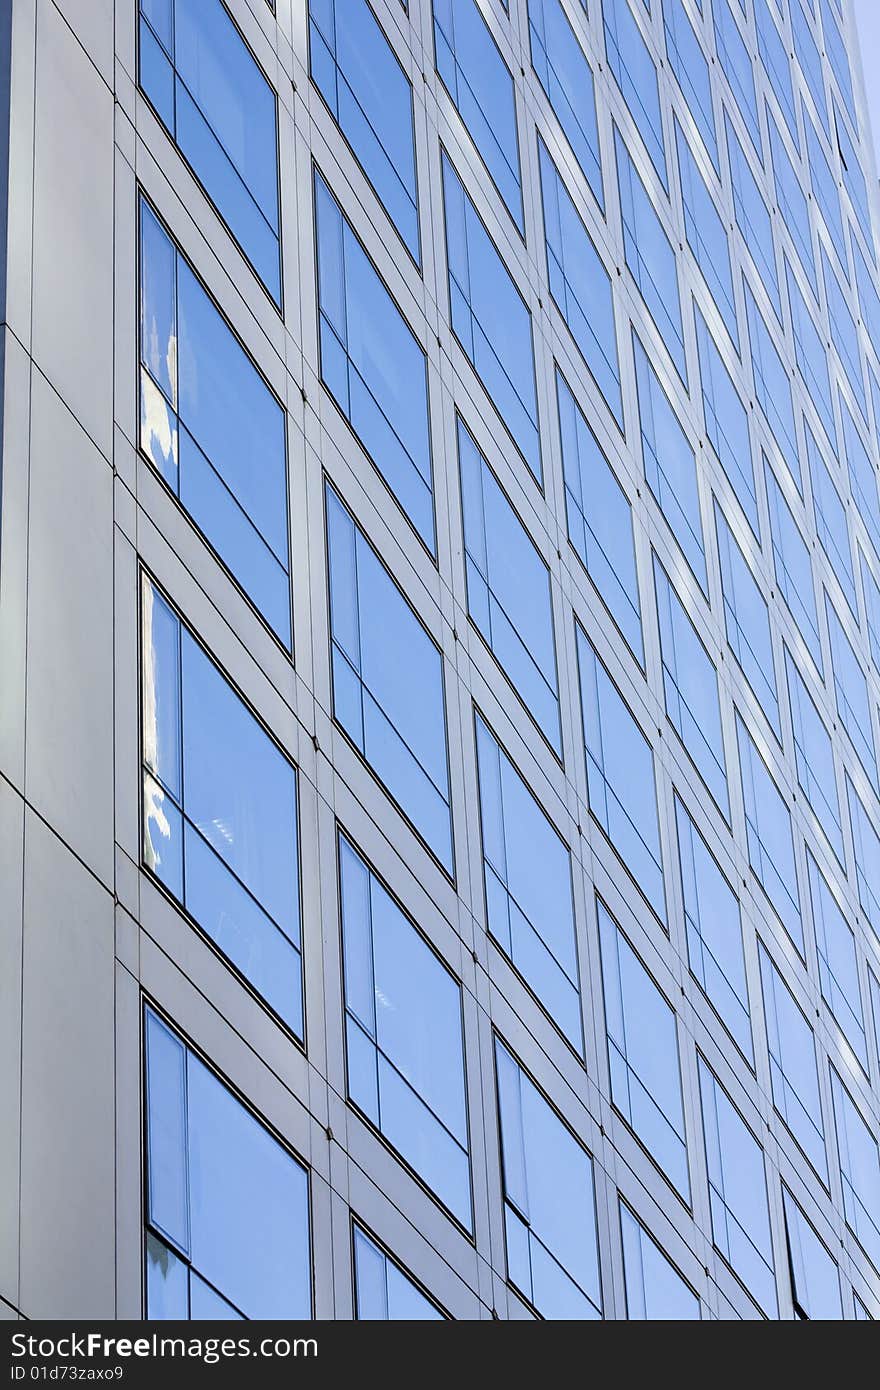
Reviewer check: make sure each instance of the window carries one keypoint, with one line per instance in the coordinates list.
(853, 177)
(793, 567)
(737, 67)
(814, 757)
(866, 843)
(567, 80)
(373, 365)
(874, 988)
(747, 622)
(227, 1205)
(776, 65)
(809, 58)
(794, 1072)
(599, 519)
(688, 62)
(831, 523)
(869, 300)
(480, 84)
(360, 78)
(580, 284)
(383, 1293)
(620, 776)
(752, 217)
(769, 835)
(714, 932)
(871, 591)
(727, 423)
(838, 966)
(844, 334)
(811, 356)
(859, 1171)
(669, 463)
(705, 234)
(404, 1036)
(655, 1291)
(490, 319)
(650, 257)
(824, 186)
(690, 689)
(211, 426)
(737, 1192)
(387, 682)
(862, 476)
(835, 50)
(792, 201)
(772, 387)
(643, 1055)
(815, 1282)
(508, 590)
(629, 58)
(851, 693)
(527, 877)
(215, 102)
(219, 811)
(549, 1201)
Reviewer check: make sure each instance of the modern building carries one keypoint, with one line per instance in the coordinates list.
(439, 660)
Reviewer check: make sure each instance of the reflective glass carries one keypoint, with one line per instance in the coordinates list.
(838, 964)
(815, 1282)
(736, 65)
(752, 217)
(727, 422)
(706, 235)
(770, 836)
(772, 386)
(793, 567)
(691, 68)
(655, 1291)
(851, 693)
(859, 1160)
(567, 80)
(747, 622)
(629, 58)
(794, 1071)
(383, 1293)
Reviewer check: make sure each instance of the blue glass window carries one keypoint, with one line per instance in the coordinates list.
(747, 622)
(831, 523)
(824, 186)
(727, 422)
(527, 877)
(227, 1205)
(481, 85)
(404, 1036)
(580, 284)
(814, 757)
(851, 693)
(705, 234)
(753, 217)
(387, 682)
(212, 427)
(643, 1054)
(772, 386)
(774, 56)
(670, 464)
(866, 843)
(811, 355)
(794, 1072)
(815, 1282)
(714, 932)
(620, 776)
(650, 256)
(862, 475)
(567, 80)
(844, 334)
(737, 68)
(508, 589)
(738, 1199)
(769, 835)
(835, 50)
(372, 364)
(655, 1291)
(214, 100)
(869, 299)
(859, 1171)
(838, 964)
(793, 567)
(690, 689)
(359, 76)
(599, 519)
(810, 59)
(871, 590)
(629, 58)
(490, 319)
(854, 178)
(383, 1293)
(793, 204)
(549, 1201)
(220, 810)
(691, 68)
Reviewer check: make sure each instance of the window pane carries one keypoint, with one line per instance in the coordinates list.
(866, 843)
(815, 1282)
(844, 334)
(599, 519)
(629, 58)
(794, 1073)
(567, 80)
(550, 1210)
(792, 201)
(770, 837)
(643, 1054)
(527, 877)
(737, 67)
(809, 58)
(747, 622)
(691, 68)
(357, 73)
(752, 216)
(814, 757)
(862, 476)
(727, 423)
(706, 235)
(372, 364)
(793, 567)
(776, 65)
(838, 964)
(811, 356)
(851, 693)
(388, 682)
(859, 1171)
(382, 1291)
(772, 387)
(831, 523)
(654, 1288)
